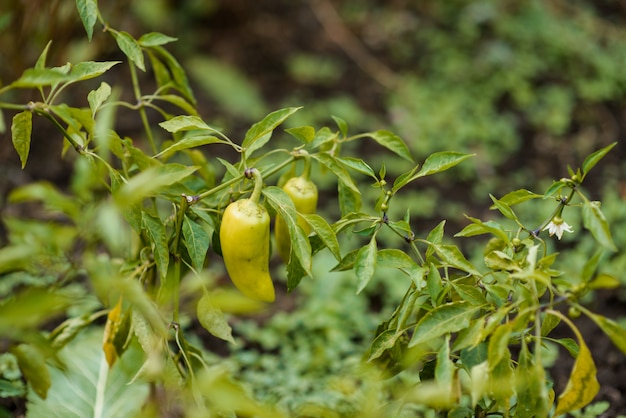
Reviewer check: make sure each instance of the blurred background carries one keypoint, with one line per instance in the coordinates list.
(530, 87)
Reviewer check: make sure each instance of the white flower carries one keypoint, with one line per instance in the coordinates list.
(557, 226)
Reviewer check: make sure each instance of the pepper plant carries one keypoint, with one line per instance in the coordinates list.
(145, 215)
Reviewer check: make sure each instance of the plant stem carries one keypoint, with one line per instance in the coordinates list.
(142, 110)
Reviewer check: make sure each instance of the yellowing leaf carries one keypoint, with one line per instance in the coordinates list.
(582, 386)
(110, 329)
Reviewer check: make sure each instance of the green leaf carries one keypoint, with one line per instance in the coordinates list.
(98, 96)
(470, 293)
(37, 77)
(435, 236)
(365, 264)
(33, 365)
(156, 232)
(149, 182)
(41, 61)
(595, 157)
(444, 319)
(3, 126)
(452, 256)
(197, 242)
(86, 387)
(612, 329)
(498, 345)
(349, 200)
(260, 132)
(304, 134)
(90, 69)
(129, 46)
(185, 123)
(594, 221)
(394, 258)
(325, 232)
(21, 130)
(478, 227)
(212, 318)
(88, 12)
(392, 142)
(155, 39)
(583, 385)
(190, 141)
(503, 208)
(518, 196)
(604, 281)
(358, 165)
(383, 342)
(167, 68)
(441, 161)
(338, 170)
(283, 205)
(553, 189)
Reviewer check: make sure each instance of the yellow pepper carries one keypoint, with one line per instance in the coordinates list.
(303, 193)
(245, 242)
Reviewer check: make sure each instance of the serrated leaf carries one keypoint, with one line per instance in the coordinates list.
(88, 12)
(155, 39)
(129, 46)
(86, 387)
(283, 205)
(158, 237)
(594, 221)
(583, 385)
(21, 130)
(595, 157)
(98, 96)
(392, 142)
(260, 132)
(212, 318)
(190, 141)
(325, 232)
(365, 264)
(444, 319)
(196, 241)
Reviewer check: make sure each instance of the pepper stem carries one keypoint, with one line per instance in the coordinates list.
(258, 183)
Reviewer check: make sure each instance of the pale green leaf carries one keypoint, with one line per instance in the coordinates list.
(325, 232)
(452, 256)
(358, 165)
(518, 196)
(196, 241)
(478, 227)
(392, 142)
(170, 72)
(86, 387)
(341, 124)
(594, 221)
(90, 69)
(155, 39)
(21, 130)
(612, 329)
(383, 342)
(441, 161)
(98, 96)
(260, 132)
(150, 182)
(88, 12)
(190, 141)
(37, 77)
(212, 318)
(444, 319)
(338, 170)
(32, 363)
(365, 264)
(185, 123)
(129, 46)
(304, 134)
(503, 208)
(394, 258)
(284, 207)
(156, 231)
